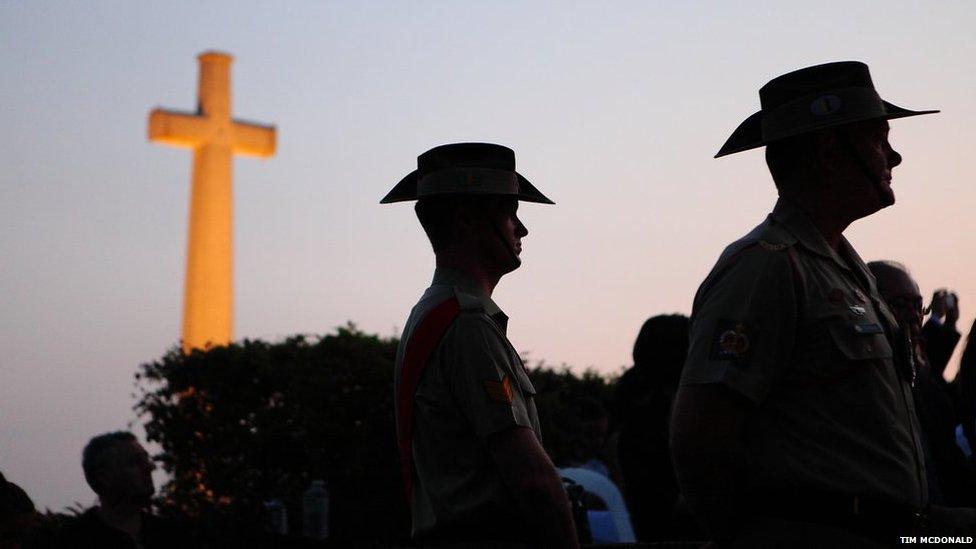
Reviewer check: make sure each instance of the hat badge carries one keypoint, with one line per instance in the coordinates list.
(825, 104)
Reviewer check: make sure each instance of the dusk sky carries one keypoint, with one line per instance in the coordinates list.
(614, 110)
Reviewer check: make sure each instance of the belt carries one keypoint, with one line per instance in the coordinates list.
(874, 518)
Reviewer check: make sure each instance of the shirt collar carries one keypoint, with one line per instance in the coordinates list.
(447, 276)
(799, 224)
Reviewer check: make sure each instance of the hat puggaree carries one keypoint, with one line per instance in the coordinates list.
(465, 169)
(810, 99)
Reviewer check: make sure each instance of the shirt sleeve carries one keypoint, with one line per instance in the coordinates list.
(743, 324)
(480, 369)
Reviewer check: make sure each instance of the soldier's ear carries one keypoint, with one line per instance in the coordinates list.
(468, 221)
(474, 212)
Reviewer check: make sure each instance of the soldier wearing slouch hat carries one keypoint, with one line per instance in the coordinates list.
(795, 414)
(473, 465)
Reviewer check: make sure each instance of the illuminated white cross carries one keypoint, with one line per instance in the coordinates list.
(208, 301)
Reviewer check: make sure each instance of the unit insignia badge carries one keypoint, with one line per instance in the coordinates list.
(733, 341)
(499, 391)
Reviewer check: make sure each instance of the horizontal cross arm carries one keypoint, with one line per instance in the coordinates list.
(254, 139)
(178, 128)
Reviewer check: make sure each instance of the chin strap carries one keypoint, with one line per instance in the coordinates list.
(861, 164)
(498, 233)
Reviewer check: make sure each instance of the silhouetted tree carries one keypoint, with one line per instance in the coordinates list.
(251, 421)
(556, 390)
(244, 423)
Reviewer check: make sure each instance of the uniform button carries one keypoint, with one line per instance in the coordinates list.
(870, 349)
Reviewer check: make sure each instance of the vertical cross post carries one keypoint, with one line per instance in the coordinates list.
(208, 301)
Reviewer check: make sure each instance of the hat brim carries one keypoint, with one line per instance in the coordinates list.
(406, 190)
(749, 133)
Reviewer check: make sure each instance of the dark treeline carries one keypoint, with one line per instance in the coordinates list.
(253, 422)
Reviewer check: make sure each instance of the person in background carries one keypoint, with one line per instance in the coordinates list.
(964, 386)
(18, 517)
(642, 404)
(951, 478)
(939, 334)
(119, 470)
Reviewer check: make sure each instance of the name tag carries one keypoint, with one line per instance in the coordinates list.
(868, 328)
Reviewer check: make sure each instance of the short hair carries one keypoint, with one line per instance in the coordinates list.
(887, 266)
(789, 158)
(94, 456)
(438, 215)
(662, 337)
(14, 500)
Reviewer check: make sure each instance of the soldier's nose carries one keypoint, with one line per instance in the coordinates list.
(894, 158)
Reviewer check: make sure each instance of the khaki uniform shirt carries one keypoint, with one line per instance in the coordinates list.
(474, 385)
(801, 331)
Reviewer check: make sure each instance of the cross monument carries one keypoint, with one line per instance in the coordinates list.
(208, 300)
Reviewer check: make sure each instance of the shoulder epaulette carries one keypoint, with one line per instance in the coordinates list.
(772, 246)
(768, 235)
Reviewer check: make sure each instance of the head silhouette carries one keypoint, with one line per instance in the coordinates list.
(118, 469)
(661, 347)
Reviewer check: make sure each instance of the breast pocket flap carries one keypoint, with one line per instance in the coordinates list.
(860, 341)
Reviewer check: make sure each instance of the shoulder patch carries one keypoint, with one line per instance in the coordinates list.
(499, 391)
(732, 341)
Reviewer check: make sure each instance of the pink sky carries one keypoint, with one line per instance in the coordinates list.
(614, 113)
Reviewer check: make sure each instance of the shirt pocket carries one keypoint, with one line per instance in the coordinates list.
(837, 350)
(858, 341)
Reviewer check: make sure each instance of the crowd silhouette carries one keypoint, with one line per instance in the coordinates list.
(625, 439)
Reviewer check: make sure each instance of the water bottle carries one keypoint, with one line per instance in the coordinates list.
(277, 517)
(315, 511)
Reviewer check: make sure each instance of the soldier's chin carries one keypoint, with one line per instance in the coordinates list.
(514, 262)
(887, 199)
(886, 196)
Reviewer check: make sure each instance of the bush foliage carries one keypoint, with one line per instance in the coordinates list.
(251, 421)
